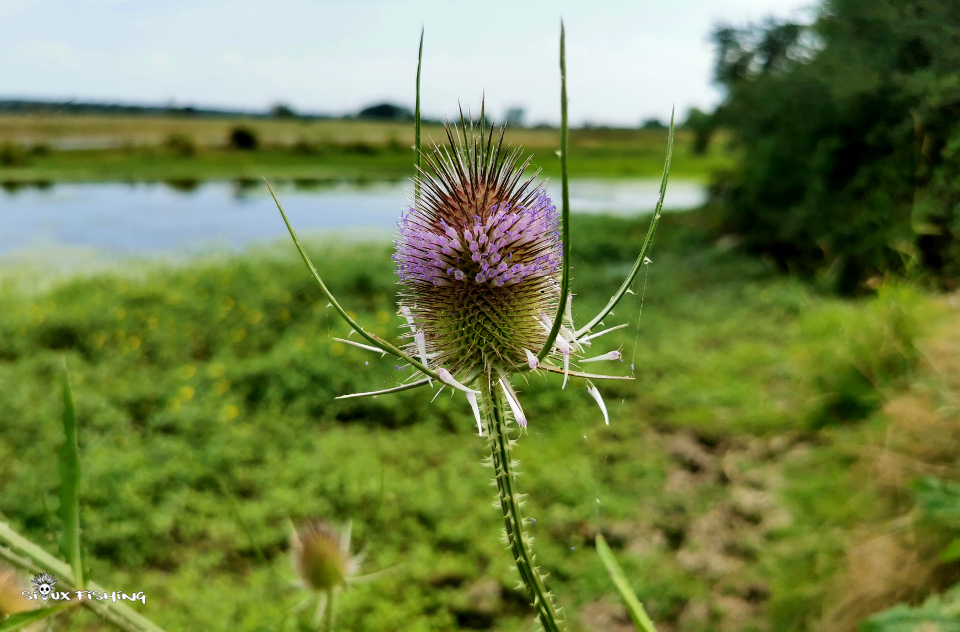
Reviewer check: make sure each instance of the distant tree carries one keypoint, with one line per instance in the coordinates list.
(516, 117)
(187, 111)
(703, 126)
(849, 131)
(653, 123)
(282, 111)
(386, 112)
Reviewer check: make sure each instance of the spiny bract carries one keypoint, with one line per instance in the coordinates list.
(479, 256)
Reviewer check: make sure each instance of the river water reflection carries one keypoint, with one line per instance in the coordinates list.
(186, 217)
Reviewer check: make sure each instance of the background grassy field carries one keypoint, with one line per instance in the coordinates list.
(760, 472)
(178, 148)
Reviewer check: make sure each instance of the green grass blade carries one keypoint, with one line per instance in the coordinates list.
(23, 619)
(565, 205)
(371, 338)
(416, 123)
(637, 613)
(21, 553)
(646, 242)
(69, 468)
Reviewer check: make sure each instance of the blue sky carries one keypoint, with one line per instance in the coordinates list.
(626, 60)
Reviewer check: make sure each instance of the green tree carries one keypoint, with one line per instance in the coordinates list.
(703, 126)
(850, 133)
(653, 123)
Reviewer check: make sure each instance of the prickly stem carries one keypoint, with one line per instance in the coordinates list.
(330, 612)
(494, 412)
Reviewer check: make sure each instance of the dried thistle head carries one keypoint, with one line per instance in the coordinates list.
(479, 256)
(321, 555)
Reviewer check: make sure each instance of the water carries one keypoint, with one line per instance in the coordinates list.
(149, 218)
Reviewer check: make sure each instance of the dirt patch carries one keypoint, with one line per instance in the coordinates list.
(721, 545)
(600, 616)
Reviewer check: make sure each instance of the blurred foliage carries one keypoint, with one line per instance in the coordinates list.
(386, 112)
(244, 138)
(703, 126)
(940, 613)
(205, 397)
(850, 133)
(13, 155)
(873, 349)
(939, 505)
(940, 509)
(283, 111)
(181, 145)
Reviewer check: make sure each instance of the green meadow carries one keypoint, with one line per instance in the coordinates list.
(782, 460)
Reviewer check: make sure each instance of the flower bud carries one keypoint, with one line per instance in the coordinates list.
(319, 556)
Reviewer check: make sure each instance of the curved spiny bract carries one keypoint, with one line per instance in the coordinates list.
(479, 255)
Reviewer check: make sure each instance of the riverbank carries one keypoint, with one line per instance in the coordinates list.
(771, 437)
(97, 148)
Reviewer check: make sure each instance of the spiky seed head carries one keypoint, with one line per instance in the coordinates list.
(319, 557)
(11, 599)
(479, 255)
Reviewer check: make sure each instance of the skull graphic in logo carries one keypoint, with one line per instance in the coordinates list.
(44, 583)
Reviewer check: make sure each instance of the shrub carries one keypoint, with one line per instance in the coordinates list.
(180, 144)
(362, 148)
(304, 147)
(244, 139)
(12, 155)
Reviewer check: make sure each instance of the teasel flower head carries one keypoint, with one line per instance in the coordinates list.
(486, 293)
(321, 556)
(479, 257)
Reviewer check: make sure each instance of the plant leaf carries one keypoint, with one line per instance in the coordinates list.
(416, 123)
(69, 469)
(565, 204)
(23, 619)
(372, 339)
(395, 389)
(646, 241)
(637, 613)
